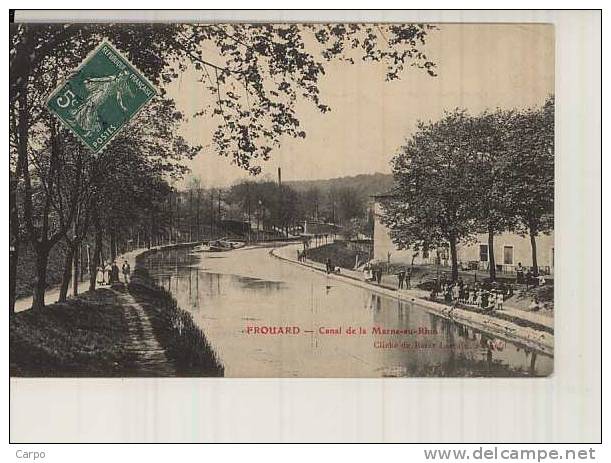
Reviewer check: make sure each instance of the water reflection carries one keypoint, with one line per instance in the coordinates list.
(227, 294)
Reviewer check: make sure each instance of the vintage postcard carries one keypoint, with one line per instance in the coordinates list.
(282, 200)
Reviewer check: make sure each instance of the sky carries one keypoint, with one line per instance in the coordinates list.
(479, 66)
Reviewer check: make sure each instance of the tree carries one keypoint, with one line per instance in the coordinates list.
(431, 202)
(48, 204)
(350, 204)
(492, 208)
(129, 178)
(258, 74)
(530, 174)
(311, 200)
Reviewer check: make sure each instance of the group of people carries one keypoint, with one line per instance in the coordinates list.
(373, 273)
(482, 296)
(331, 268)
(527, 277)
(302, 256)
(108, 274)
(404, 277)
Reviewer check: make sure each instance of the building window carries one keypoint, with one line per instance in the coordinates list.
(508, 255)
(483, 253)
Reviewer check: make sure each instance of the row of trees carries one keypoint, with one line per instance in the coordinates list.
(282, 206)
(467, 174)
(254, 73)
(249, 207)
(67, 197)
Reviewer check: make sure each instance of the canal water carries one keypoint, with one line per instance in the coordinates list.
(269, 318)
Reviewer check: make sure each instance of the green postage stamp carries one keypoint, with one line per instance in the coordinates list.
(101, 96)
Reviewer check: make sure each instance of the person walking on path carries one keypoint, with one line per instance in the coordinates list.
(367, 272)
(100, 275)
(499, 300)
(379, 275)
(520, 273)
(485, 299)
(114, 273)
(455, 293)
(126, 272)
(529, 277)
(329, 265)
(107, 269)
(478, 297)
(401, 277)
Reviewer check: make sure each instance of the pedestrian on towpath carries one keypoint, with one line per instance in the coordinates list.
(520, 273)
(485, 299)
(367, 272)
(472, 295)
(529, 278)
(126, 272)
(379, 275)
(401, 277)
(107, 269)
(499, 300)
(114, 273)
(100, 274)
(329, 265)
(456, 293)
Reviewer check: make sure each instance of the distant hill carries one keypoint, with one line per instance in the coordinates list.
(365, 185)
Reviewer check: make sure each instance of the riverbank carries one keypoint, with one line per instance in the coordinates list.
(134, 330)
(506, 326)
(52, 293)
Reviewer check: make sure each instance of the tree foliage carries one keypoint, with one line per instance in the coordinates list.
(466, 174)
(255, 73)
(252, 77)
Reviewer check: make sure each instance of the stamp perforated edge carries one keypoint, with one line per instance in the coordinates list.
(93, 52)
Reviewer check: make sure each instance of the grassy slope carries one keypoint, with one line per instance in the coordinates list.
(81, 337)
(85, 336)
(184, 342)
(338, 253)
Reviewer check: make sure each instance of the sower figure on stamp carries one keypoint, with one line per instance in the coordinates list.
(100, 89)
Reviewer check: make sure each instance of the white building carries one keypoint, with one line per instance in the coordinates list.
(509, 250)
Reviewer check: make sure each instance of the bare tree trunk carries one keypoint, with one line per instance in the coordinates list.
(83, 262)
(113, 243)
(97, 252)
(13, 257)
(63, 290)
(40, 285)
(76, 258)
(533, 247)
(15, 240)
(454, 256)
(13, 266)
(492, 261)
